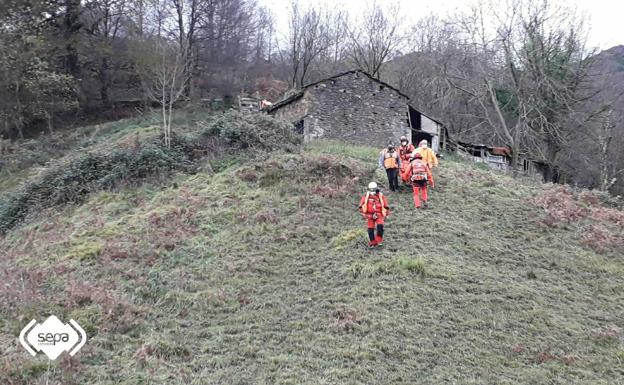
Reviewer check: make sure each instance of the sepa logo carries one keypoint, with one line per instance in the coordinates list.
(53, 337)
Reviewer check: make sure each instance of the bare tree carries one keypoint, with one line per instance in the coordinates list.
(308, 38)
(187, 18)
(527, 73)
(333, 59)
(71, 27)
(31, 88)
(486, 76)
(375, 38)
(609, 171)
(168, 82)
(103, 24)
(435, 49)
(265, 31)
(594, 154)
(225, 44)
(162, 65)
(556, 62)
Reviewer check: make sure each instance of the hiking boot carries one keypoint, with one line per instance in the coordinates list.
(378, 241)
(372, 244)
(424, 204)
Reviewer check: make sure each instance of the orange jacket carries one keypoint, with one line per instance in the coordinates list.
(374, 204)
(428, 156)
(406, 151)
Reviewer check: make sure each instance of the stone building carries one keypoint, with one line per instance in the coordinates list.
(357, 108)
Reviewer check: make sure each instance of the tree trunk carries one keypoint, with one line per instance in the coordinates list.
(20, 128)
(512, 137)
(514, 161)
(71, 26)
(605, 140)
(49, 117)
(20, 117)
(552, 172)
(104, 83)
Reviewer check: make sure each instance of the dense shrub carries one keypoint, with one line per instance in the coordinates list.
(561, 206)
(71, 179)
(600, 222)
(248, 130)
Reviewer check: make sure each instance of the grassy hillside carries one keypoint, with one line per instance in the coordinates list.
(258, 273)
(21, 161)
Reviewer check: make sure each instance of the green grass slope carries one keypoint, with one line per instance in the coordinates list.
(24, 160)
(259, 274)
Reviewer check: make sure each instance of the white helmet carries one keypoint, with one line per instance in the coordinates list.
(372, 187)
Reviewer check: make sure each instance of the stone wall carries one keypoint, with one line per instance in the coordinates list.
(294, 111)
(352, 108)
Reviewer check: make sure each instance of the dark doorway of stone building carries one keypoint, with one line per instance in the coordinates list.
(415, 119)
(299, 127)
(417, 136)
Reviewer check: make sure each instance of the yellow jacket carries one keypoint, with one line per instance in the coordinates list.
(428, 156)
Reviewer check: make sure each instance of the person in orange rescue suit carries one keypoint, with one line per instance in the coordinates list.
(405, 152)
(374, 207)
(390, 160)
(420, 176)
(428, 156)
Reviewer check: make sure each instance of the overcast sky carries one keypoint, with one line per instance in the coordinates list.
(606, 17)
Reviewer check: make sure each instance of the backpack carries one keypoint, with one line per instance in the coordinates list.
(419, 171)
(373, 204)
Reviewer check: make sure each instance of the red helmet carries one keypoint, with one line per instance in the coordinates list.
(417, 155)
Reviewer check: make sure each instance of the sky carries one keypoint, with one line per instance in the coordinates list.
(605, 16)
